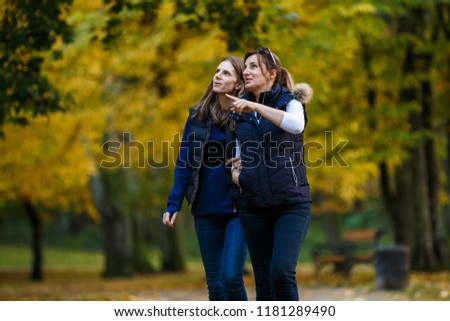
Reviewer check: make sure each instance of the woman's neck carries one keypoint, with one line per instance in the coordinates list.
(225, 102)
(258, 92)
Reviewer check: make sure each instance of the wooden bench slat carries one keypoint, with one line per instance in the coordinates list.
(360, 235)
(363, 258)
(330, 259)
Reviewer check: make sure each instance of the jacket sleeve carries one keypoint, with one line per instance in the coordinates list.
(183, 172)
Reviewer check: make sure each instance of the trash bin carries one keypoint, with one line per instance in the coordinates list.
(392, 268)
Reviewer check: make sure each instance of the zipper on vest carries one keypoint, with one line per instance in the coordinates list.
(229, 178)
(262, 103)
(294, 176)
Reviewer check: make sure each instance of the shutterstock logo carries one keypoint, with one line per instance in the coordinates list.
(121, 153)
(125, 152)
(332, 152)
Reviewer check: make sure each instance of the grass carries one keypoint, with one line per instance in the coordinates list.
(18, 257)
(76, 275)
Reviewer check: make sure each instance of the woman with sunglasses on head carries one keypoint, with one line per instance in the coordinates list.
(202, 177)
(275, 195)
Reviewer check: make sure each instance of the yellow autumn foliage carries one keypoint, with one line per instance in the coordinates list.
(46, 163)
(113, 90)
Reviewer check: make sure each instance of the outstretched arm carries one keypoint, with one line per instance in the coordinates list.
(242, 105)
(292, 120)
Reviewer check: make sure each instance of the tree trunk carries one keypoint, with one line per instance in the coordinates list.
(421, 245)
(402, 218)
(115, 225)
(36, 241)
(173, 259)
(399, 199)
(443, 248)
(446, 207)
(117, 243)
(140, 261)
(437, 219)
(412, 177)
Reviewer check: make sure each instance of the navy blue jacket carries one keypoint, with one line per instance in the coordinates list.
(200, 172)
(273, 170)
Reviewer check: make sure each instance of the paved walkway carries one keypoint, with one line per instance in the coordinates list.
(307, 294)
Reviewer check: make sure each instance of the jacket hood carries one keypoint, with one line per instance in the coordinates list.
(303, 93)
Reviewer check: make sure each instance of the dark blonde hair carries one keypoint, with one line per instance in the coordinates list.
(271, 61)
(209, 104)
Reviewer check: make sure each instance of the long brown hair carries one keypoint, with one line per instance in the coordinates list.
(271, 61)
(209, 104)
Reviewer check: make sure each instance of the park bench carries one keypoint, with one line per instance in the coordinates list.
(357, 246)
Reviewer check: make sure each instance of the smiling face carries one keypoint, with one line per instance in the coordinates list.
(257, 78)
(225, 80)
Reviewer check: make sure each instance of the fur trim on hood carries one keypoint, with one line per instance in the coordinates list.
(303, 93)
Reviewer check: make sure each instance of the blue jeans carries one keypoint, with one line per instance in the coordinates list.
(224, 253)
(274, 238)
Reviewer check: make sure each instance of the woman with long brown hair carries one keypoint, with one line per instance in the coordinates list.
(204, 179)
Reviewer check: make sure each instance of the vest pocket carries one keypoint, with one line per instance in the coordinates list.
(294, 176)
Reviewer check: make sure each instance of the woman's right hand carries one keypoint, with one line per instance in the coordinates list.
(169, 220)
(235, 176)
(236, 169)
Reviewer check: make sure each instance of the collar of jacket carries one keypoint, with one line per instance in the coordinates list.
(272, 97)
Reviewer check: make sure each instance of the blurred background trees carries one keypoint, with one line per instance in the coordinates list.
(94, 96)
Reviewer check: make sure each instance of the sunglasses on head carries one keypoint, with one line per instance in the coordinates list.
(261, 50)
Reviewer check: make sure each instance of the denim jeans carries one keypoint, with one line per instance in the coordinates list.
(274, 238)
(224, 253)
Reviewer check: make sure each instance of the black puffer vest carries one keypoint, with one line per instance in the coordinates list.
(198, 136)
(273, 171)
